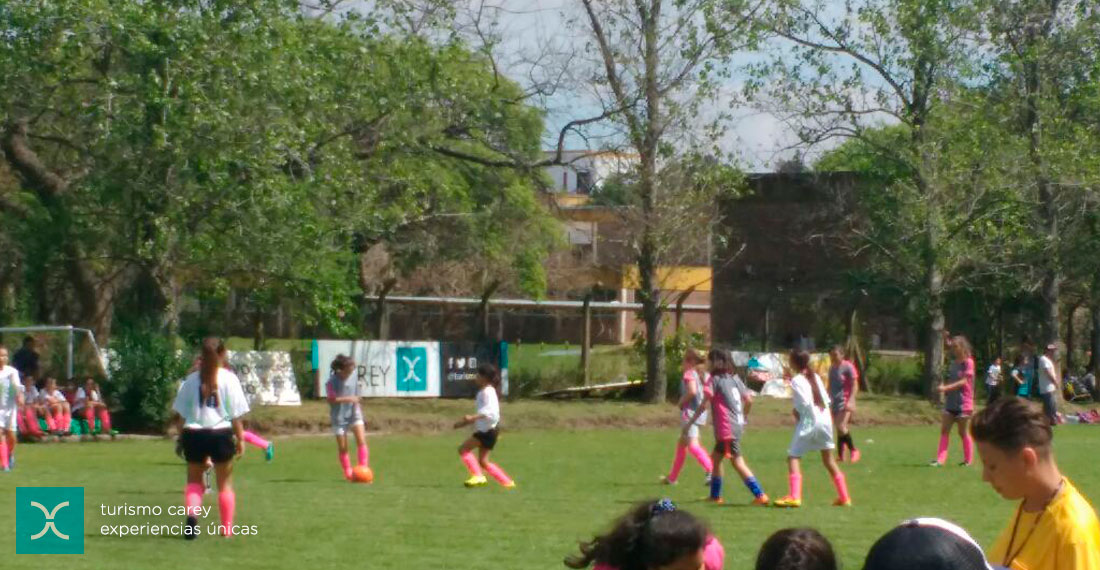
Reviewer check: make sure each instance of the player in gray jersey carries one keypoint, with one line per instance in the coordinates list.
(345, 411)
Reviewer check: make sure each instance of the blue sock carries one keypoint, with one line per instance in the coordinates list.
(754, 486)
(715, 487)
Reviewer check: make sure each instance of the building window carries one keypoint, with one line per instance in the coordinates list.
(584, 182)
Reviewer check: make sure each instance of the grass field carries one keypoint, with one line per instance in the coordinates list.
(571, 484)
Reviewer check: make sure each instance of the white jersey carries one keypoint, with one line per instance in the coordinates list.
(1048, 376)
(82, 398)
(213, 413)
(10, 387)
(489, 406)
(814, 431)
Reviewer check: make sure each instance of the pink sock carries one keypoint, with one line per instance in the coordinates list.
(841, 487)
(253, 439)
(345, 463)
(68, 422)
(89, 416)
(471, 463)
(968, 449)
(941, 455)
(227, 503)
(3, 453)
(192, 498)
(677, 463)
(104, 420)
(22, 421)
(51, 423)
(795, 480)
(497, 473)
(701, 456)
(364, 455)
(32, 422)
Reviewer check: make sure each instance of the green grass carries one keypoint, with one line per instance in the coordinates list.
(540, 367)
(571, 484)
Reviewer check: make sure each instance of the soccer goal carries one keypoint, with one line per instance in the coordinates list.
(70, 337)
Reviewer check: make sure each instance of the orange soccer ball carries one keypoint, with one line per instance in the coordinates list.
(362, 474)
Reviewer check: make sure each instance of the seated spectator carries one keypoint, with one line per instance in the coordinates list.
(1054, 527)
(926, 544)
(654, 534)
(89, 400)
(796, 549)
(57, 406)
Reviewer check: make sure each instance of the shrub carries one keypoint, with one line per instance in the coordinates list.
(894, 375)
(145, 372)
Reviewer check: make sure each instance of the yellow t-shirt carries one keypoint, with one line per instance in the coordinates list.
(1067, 536)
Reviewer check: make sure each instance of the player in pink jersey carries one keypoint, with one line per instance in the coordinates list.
(653, 535)
(691, 398)
(958, 402)
(731, 401)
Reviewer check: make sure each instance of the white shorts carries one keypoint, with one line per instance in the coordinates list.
(343, 428)
(819, 438)
(693, 431)
(9, 420)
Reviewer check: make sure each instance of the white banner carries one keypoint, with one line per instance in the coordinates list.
(384, 369)
(267, 377)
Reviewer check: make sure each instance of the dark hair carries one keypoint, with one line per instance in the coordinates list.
(490, 373)
(838, 349)
(800, 361)
(913, 546)
(720, 360)
(796, 549)
(28, 340)
(645, 537)
(1010, 424)
(212, 349)
(341, 362)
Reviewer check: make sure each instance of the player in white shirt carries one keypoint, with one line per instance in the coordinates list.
(813, 432)
(89, 400)
(211, 403)
(11, 399)
(1049, 383)
(57, 406)
(485, 435)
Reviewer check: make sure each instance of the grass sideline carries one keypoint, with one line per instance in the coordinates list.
(571, 485)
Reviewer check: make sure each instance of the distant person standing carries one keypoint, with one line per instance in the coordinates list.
(1049, 382)
(25, 360)
(993, 381)
(843, 387)
(1027, 369)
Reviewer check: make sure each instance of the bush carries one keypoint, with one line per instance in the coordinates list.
(675, 347)
(145, 373)
(895, 375)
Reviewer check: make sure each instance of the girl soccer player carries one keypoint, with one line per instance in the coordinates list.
(485, 433)
(843, 387)
(11, 398)
(958, 402)
(57, 406)
(814, 432)
(653, 535)
(730, 402)
(346, 412)
(89, 399)
(796, 549)
(28, 413)
(691, 399)
(250, 437)
(211, 403)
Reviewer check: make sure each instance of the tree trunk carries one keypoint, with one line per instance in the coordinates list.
(933, 341)
(1094, 362)
(1071, 339)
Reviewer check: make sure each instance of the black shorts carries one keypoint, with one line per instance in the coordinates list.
(215, 444)
(728, 448)
(487, 439)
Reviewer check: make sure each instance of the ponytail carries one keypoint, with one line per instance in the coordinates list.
(490, 373)
(340, 362)
(212, 351)
(651, 535)
(800, 360)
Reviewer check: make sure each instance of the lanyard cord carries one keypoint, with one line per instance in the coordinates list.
(1009, 556)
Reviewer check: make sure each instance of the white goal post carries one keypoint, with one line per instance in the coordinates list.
(72, 332)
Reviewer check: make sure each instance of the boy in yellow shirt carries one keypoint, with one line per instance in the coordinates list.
(1054, 527)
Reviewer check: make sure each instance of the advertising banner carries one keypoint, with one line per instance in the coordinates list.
(383, 369)
(460, 361)
(267, 377)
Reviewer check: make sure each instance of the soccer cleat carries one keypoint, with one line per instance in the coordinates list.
(706, 480)
(666, 481)
(935, 463)
(510, 485)
(855, 456)
(476, 481)
(762, 501)
(269, 453)
(788, 502)
(716, 500)
(192, 523)
(842, 503)
(964, 464)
